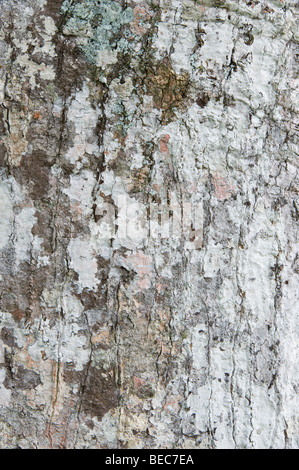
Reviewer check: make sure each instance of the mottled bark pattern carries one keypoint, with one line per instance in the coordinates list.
(129, 343)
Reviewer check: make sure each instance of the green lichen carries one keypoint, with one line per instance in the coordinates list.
(98, 25)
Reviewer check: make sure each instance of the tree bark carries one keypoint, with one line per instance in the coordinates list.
(136, 338)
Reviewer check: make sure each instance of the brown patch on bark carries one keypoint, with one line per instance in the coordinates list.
(89, 423)
(99, 393)
(65, 224)
(2, 154)
(69, 61)
(202, 99)
(43, 228)
(169, 90)
(93, 300)
(52, 9)
(23, 379)
(21, 292)
(14, 298)
(69, 65)
(8, 337)
(34, 174)
(2, 133)
(2, 127)
(17, 315)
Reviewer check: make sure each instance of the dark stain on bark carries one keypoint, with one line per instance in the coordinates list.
(2, 133)
(69, 65)
(2, 155)
(52, 9)
(17, 315)
(34, 174)
(14, 298)
(69, 61)
(93, 300)
(99, 393)
(2, 119)
(21, 291)
(8, 337)
(203, 99)
(43, 228)
(21, 378)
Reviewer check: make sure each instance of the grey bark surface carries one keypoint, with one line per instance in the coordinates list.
(148, 342)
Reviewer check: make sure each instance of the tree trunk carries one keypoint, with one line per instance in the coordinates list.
(148, 245)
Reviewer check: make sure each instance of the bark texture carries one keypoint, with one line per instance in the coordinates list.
(148, 343)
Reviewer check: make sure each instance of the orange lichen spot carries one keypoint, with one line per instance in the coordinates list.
(37, 115)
